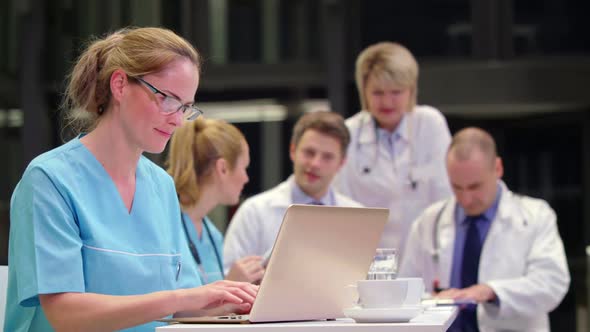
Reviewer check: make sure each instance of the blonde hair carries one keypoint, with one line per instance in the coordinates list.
(389, 62)
(194, 149)
(137, 51)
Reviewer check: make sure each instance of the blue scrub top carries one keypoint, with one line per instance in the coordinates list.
(71, 232)
(210, 269)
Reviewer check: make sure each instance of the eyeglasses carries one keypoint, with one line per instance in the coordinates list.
(170, 104)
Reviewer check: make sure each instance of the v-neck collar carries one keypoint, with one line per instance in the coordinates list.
(111, 183)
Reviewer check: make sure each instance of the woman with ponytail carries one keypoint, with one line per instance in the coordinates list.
(208, 161)
(95, 242)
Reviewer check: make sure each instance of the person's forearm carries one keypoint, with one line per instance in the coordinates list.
(97, 312)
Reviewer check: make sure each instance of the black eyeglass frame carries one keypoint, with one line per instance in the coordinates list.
(189, 111)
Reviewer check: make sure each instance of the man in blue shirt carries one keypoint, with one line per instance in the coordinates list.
(486, 245)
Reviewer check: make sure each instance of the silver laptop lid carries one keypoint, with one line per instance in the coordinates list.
(318, 252)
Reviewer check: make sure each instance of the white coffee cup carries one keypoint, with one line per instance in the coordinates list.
(382, 293)
(414, 292)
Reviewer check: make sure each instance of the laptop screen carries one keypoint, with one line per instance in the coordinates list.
(318, 252)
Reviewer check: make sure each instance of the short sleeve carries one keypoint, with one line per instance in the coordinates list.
(45, 238)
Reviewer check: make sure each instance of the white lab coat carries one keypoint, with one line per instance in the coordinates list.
(419, 157)
(255, 225)
(522, 260)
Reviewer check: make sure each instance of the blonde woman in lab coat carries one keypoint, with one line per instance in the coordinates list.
(396, 155)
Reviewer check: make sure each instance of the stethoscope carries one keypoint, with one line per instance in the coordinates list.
(195, 253)
(435, 241)
(366, 169)
(436, 244)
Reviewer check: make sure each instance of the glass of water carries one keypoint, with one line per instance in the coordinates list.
(384, 266)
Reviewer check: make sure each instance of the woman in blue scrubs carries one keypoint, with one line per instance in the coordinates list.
(95, 242)
(208, 161)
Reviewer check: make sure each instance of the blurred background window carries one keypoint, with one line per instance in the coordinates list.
(520, 69)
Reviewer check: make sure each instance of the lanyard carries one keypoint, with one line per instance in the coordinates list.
(193, 247)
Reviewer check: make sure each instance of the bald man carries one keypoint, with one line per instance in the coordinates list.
(489, 246)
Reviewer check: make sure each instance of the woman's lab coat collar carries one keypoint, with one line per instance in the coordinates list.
(368, 132)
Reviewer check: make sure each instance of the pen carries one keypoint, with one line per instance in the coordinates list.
(178, 267)
(449, 302)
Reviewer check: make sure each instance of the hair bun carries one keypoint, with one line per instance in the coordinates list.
(199, 125)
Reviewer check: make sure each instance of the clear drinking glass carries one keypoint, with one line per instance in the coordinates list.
(384, 266)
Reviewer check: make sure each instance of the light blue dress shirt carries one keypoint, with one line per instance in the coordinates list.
(299, 197)
(390, 139)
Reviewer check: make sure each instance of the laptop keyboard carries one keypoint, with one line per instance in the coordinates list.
(234, 317)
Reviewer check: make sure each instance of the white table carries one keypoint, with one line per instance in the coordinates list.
(435, 319)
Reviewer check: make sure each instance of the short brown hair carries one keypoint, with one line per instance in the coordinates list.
(325, 122)
(194, 149)
(137, 51)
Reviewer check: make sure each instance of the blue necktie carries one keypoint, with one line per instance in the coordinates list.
(469, 270)
(316, 203)
(471, 253)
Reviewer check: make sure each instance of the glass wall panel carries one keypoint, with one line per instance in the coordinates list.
(426, 27)
(551, 27)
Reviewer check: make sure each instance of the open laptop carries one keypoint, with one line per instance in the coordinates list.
(318, 252)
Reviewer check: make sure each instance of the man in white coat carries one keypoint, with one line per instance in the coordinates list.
(318, 151)
(489, 245)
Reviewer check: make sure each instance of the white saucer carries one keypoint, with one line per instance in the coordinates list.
(383, 315)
